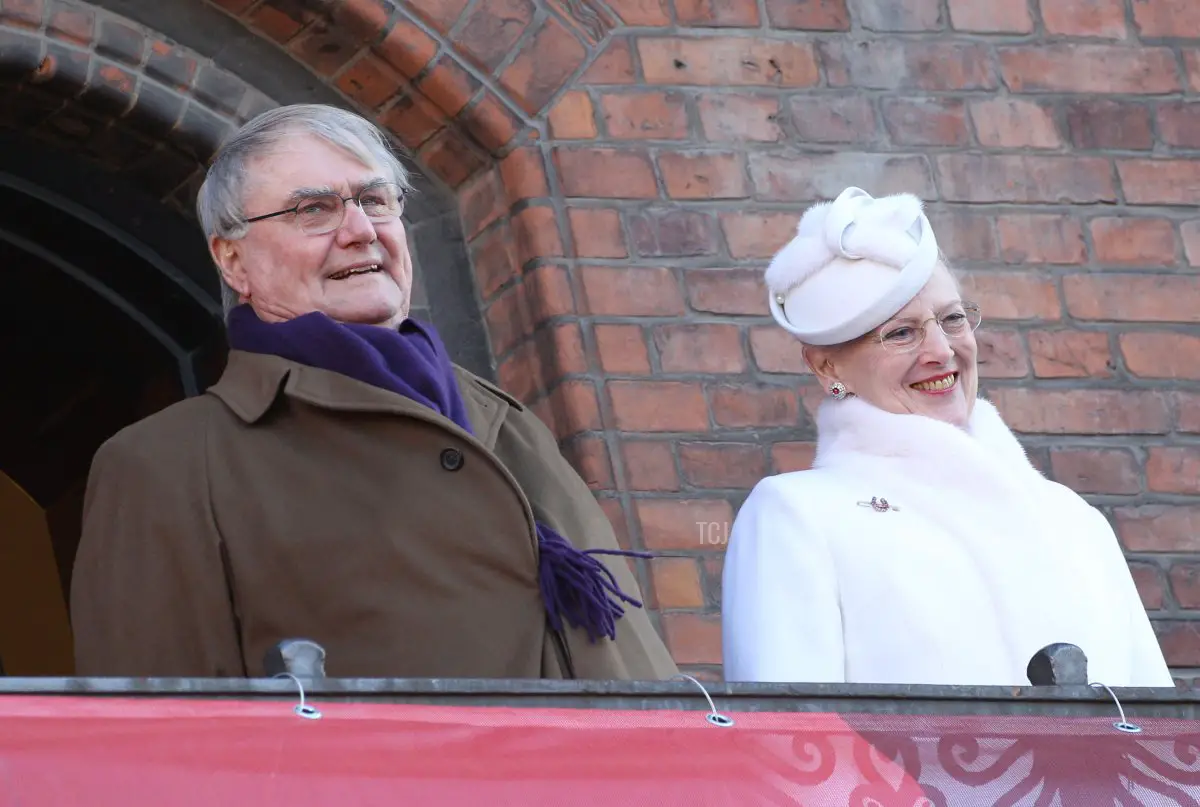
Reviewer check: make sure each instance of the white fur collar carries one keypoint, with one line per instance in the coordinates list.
(986, 452)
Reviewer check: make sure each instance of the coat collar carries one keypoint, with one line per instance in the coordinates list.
(252, 382)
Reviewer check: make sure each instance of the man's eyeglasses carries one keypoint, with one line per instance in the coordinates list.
(324, 212)
(903, 335)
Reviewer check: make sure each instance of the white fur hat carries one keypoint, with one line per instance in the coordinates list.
(854, 263)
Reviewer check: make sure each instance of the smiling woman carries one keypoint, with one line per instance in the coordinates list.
(922, 547)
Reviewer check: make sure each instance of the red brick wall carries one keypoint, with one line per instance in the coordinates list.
(624, 168)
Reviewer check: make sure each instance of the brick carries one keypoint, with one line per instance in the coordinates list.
(574, 409)
(1173, 469)
(452, 157)
(589, 457)
(494, 259)
(606, 173)
(716, 13)
(991, 18)
(1133, 241)
(1001, 354)
(776, 351)
(1086, 68)
(490, 122)
(1159, 182)
(1165, 18)
(898, 15)
(1083, 411)
(1014, 123)
(1191, 66)
(813, 15)
(1148, 580)
(573, 118)
(988, 178)
(895, 64)
(632, 292)
(672, 233)
(622, 349)
(1097, 18)
(722, 465)
(1132, 298)
(1098, 123)
(275, 24)
(481, 202)
(199, 132)
(120, 42)
(442, 14)
(1185, 584)
(1187, 406)
(407, 48)
(726, 291)
(699, 348)
(413, 119)
(550, 295)
(650, 465)
(792, 456)
(693, 638)
(491, 30)
(1180, 643)
(649, 13)
(614, 65)
(508, 320)
(70, 23)
(1013, 295)
(704, 175)
(448, 86)
(1040, 238)
(1097, 470)
(1158, 528)
(797, 177)
(645, 115)
(750, 406)
(833, 118)
(535, 230)
(676, 583)
(364, 19)
(1179, 124)
(1161, 355)
(964, 236)
(540, 70)
(369, 81)
(739, 118)
(523, 173)
(926, 121)
(218, 89)
(1190, 232)
(728, 61)
(596, 233)
(325, 48)
(658, 406)
(1070, 354)
(757, 234)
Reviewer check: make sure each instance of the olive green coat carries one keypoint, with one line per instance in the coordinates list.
(294, 502)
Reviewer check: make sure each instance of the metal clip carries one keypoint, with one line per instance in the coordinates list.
(713, 716)
(302, 708)
(879, 505)
(1122, 724)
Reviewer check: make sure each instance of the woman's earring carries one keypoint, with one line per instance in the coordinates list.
(838, 390)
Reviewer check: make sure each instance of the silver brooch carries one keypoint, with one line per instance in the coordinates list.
(879, 505)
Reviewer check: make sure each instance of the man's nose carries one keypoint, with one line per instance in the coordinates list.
(356, 226)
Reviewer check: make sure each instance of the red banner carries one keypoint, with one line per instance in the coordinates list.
(161, 752)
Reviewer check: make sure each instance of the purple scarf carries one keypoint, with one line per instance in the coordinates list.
(412, 361)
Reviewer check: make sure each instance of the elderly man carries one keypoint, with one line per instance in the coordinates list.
(344, 481)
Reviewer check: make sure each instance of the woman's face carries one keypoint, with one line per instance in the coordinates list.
(896, 370)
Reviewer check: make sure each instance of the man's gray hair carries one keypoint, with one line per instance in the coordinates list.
(219, 202)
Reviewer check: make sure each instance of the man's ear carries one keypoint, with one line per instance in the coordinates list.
(227, 255)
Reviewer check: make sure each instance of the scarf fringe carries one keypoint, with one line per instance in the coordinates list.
(579, 588)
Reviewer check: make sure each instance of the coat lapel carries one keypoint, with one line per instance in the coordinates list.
(252, 382)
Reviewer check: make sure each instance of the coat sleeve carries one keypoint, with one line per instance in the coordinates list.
(149, 595)
(781, 614)
(562, 501)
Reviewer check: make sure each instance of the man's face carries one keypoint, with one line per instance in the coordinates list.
(284, 272)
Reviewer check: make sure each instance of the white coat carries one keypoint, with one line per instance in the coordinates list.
(979, 563)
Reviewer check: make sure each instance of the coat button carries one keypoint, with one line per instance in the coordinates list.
(452, 459)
